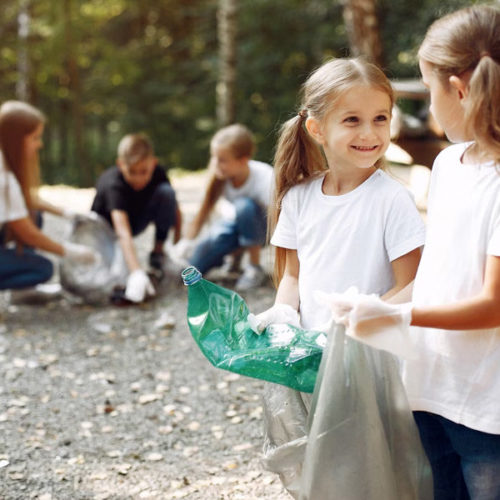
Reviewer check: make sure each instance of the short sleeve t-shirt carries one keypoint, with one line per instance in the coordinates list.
(257, 187)
(114, 193)
(457, 372)
(12, 204)
(347, 240)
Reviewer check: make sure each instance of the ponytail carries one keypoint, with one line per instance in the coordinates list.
(298, 158)
(482, 106)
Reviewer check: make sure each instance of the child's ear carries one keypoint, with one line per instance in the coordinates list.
(314, 129)
(459, 85)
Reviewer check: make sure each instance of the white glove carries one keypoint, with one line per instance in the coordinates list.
(372, 321)
(183, 249)
(279, 313)
(68, 213)
(138, 286)
(79, 254)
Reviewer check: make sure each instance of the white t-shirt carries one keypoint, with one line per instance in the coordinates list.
(12, 205)
(347, 240)
(457, 374)
(257, 186)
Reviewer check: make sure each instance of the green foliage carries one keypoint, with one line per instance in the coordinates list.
(116, 66)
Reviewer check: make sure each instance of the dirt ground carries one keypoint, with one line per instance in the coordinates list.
(118, 403)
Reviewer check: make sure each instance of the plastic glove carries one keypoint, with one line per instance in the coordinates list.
(183, 249)
(138, 286)
(68, 213)
(340, 304)
(80, 254)
(372, 321)
(279, 313)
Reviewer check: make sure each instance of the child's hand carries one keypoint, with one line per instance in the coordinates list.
(183, 249)
(80, 254)
(138, 286)
(279, 313)
(374, 322)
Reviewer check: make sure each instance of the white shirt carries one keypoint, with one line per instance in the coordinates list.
(347, 240)
(457, 374)
(257, 186)
(12, 205)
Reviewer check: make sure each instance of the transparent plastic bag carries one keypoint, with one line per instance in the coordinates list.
(360, 441)
(94, 282)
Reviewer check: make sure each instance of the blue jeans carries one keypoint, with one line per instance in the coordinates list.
(465, 462)
(160, 210)
(23, 268)
(246, 230)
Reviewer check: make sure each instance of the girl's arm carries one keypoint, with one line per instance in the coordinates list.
(288, 289)
(480, 311)
(404, 269)
(26, 231)
(45, 206)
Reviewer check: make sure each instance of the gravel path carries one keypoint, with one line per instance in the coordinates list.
(116, 403)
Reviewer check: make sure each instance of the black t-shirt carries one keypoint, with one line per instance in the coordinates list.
(113, 193)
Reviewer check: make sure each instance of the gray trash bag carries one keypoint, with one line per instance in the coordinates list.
(94, 282)
(363, 443)
(286, 413)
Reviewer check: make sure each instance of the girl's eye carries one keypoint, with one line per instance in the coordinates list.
(351, 119)
(381, 118)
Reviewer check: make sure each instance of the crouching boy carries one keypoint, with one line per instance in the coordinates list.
(131, 195)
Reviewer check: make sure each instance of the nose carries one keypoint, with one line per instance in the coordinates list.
(366, 131)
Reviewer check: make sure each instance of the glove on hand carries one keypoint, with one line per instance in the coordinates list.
(79, 254)
(182, 250)
(279, 313)
(372, 321)
(138, 286)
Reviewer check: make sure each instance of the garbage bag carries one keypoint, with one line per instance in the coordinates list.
(363, 443)
(94, 282)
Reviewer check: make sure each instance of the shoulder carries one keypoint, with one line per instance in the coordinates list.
(390, 186)
(304, 189)
(260, 167)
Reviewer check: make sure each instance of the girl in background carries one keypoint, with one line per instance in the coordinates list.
(337, 219)
(21, 129)
(454, 384)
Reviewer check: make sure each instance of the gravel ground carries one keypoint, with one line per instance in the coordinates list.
(116, 403)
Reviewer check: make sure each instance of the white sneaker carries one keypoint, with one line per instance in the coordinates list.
(252, 277)
(39, 294)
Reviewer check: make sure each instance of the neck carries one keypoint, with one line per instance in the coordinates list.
(337, 183)
(241, 178)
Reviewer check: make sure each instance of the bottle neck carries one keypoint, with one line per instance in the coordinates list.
(190, 275)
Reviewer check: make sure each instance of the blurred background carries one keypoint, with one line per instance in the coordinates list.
(179, 69)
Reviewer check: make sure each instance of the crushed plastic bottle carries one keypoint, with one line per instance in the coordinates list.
(217, 319)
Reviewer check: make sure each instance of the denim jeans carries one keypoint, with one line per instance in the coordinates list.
(161, 211)
(465, 462)
(24, 268)
(247, 229)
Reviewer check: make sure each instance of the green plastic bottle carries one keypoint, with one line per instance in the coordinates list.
(282, 353)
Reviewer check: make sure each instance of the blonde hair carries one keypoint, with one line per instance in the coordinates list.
(241, 143)
(134, 148)
(17, 120)
(469, 40)
(298, 157)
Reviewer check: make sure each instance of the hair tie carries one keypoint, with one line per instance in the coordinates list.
(303, 113)
(484, 53)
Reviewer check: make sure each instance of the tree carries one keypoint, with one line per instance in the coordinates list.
(226, 30)
(360, 18)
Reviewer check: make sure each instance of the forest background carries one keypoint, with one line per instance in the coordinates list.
(179, 69)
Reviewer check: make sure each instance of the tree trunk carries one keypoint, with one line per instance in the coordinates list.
(226, 29)
(80, 157)
(360, 18)
(23, 62)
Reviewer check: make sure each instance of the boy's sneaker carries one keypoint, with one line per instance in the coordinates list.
(39, 294)
(252, 277)
(157, 261)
